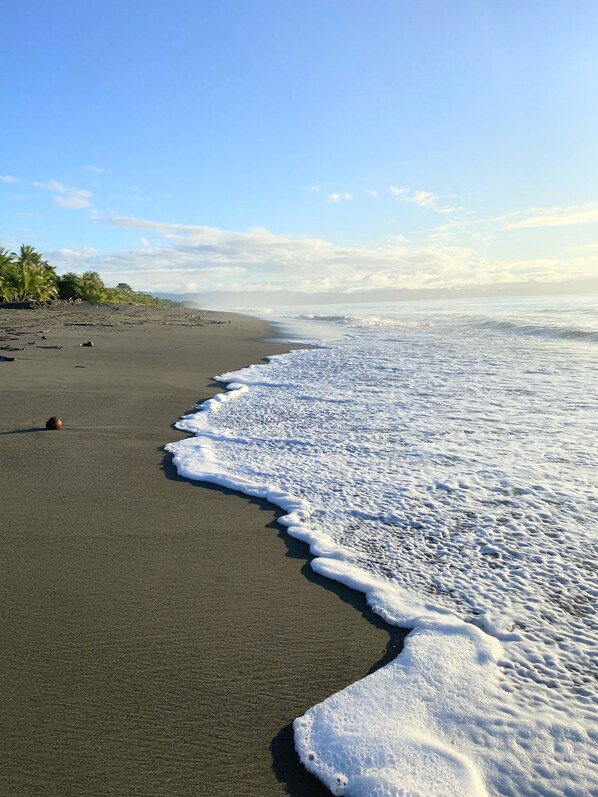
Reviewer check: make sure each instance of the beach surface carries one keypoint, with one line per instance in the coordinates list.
(158, 635)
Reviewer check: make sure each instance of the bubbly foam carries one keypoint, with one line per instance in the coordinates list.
(447, 470)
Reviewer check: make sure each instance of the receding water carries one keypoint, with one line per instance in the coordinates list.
(441, 457)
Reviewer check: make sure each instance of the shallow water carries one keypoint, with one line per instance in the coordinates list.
(441, 458)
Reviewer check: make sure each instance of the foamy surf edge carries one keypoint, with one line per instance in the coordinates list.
(396, 731)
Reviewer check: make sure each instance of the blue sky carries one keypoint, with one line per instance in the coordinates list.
(190, 145)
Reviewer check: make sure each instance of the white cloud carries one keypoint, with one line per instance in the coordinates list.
(423, 199)
(95, 169)
(557, 216)
(190, 258)
(51, 185)
(8, 178)
(72, 201)
(333, 198)
(65, 197)
(371, 192)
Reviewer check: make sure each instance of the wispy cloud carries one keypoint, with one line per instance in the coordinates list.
(424, 199)
(333, 198)
(128, 193)
(73, 201)
(65, 197)
(371, 192)
(557, 216)
(51, 185)
(95, 169)
(450, 229)
(187, 258)
(129, 188)
(8, 178)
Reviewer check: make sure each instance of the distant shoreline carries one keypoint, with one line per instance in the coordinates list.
(279, 298)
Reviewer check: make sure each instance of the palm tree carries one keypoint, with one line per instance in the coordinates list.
(29, 282)
(92, 287)
(6, 264)
(26, 276)
(29, 256)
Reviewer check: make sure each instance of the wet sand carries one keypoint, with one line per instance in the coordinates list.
(158, 636)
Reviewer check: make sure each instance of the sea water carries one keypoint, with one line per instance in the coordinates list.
(442, 458)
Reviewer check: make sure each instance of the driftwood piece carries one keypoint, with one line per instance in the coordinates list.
(29, 304)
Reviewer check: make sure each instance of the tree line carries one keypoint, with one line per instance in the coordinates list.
(25, 275)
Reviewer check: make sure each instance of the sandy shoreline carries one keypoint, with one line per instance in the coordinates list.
(159, 636)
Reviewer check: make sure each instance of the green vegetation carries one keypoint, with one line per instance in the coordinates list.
(27, 276)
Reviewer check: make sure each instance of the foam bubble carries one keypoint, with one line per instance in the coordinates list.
(448, 472)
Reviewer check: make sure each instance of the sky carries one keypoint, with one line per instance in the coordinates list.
(315, 145)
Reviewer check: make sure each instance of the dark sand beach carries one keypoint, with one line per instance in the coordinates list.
(158, 636)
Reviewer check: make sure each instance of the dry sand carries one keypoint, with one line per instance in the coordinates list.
(158, 636)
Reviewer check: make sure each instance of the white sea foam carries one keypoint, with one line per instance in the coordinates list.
(444, 464)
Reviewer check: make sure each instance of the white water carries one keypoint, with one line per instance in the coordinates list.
(441, 458)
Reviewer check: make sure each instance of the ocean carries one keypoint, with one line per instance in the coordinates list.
(440, 457)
